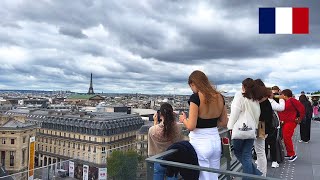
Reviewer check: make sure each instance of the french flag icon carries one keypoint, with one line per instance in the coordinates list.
(284, 20)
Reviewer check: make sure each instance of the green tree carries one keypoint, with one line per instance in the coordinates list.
(123, 165)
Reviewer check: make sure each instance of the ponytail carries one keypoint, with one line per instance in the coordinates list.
(166, 111)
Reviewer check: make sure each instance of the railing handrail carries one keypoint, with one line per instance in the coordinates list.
(154, 159)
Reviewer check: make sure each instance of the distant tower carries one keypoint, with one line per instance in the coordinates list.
(91, 87)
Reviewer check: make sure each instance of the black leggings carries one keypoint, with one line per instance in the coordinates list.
(271, 140)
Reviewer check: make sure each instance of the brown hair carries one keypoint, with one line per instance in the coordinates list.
(166, 111)
(287, 92)
(252, 89)
(201, 81)
(265, 91)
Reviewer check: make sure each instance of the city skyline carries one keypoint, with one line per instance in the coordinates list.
(151, 47)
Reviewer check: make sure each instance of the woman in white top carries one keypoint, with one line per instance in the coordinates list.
(243, 121)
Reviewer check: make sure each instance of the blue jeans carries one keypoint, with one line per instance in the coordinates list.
(160, 173)
(242, 150)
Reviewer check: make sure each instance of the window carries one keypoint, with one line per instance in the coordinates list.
(3, 157)
(68, 144)
(23, 156)
(83, 147)
(64, 134)
(3, 141)
(12, 141)
(89, 148)
(94, 149)
(54, 150)
(78, 146)
(11, 158)
(24, 139)
(103, 150)
(84, 137)
(89, 138)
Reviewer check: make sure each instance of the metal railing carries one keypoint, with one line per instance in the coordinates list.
(229, 169)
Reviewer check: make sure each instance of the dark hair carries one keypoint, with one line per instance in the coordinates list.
(303, 98)
(265, 91)
(166, 111)
(275, 88)
(252, 89)
(287, 92)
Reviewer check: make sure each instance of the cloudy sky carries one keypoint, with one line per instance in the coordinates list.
(151, 46)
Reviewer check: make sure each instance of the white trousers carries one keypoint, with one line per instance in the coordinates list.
(207, 144)
(259, 146)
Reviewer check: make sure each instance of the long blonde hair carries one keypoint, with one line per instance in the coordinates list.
(201, 81)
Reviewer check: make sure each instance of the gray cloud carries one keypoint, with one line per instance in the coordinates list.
(143, 45)
(73, 32)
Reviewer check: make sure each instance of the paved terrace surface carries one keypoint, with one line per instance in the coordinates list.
(307, 166)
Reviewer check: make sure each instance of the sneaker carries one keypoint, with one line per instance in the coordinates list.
(293, 158)
(306, 142)
(274, 164)
(300, 141)
(287, 157)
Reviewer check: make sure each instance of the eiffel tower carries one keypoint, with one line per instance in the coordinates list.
(91, 87)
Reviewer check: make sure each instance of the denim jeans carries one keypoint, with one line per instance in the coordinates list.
(242, 150)
(160, 173)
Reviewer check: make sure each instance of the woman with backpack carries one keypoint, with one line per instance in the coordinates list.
(273, 136)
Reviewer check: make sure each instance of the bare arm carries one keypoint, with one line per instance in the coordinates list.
(190, 123)
(223, 120)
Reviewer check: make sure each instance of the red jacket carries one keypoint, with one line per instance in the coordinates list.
(289, 113)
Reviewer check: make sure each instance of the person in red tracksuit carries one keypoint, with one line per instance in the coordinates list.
(287, 118)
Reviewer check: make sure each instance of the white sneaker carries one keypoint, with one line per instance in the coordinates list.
(300, 141)
(274, 164)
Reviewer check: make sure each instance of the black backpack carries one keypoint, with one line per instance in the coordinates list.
(274, 124)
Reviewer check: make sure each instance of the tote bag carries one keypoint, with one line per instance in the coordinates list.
(245, 127)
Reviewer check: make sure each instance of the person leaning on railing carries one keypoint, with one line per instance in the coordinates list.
(161, 135)
(207, 111)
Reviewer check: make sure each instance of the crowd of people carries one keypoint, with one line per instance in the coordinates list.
(261, 117)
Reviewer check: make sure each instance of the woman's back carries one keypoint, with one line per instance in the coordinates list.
(213, 109)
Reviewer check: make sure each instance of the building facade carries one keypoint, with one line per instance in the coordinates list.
(88, 140)
(15, 133)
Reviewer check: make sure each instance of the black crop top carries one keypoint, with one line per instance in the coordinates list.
(203, 123)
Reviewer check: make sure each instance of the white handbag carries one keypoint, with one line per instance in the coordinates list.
(245, 128)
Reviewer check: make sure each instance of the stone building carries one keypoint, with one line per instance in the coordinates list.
(15, 133)
(88, 139)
